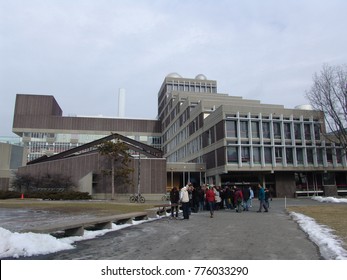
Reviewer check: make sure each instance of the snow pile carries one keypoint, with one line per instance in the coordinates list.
(15, 245)
(330, 246)
(330, 199)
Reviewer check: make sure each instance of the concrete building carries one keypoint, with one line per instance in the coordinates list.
(12, 156)
(206, 137)
(243, 142)
(47, 135)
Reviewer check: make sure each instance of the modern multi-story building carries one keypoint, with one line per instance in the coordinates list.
(206, 137)
(243, 142)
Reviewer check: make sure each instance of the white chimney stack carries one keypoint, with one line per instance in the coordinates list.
(121, 103)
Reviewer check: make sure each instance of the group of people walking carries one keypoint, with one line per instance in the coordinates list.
(211, 198)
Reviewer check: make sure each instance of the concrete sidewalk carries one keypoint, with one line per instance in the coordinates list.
(229, 235)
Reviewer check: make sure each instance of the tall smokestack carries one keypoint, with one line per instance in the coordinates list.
(121, 103)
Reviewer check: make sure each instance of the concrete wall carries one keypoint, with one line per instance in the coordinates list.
(330, 190)
(85, 183)
(40, 112)
(285, 184)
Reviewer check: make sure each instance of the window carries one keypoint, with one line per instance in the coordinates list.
(232, 154)
(210, 137)
(287, 131)
(277, 130)
(329, 179)
(289, 155)
(297, 131)
(309, 156)
(255, 129)
(320, 156)
(256, 154)
(317, 131)
(300, 180)
(278, 155)
(267, 155)
(266, 129)
(244, 129)
(299, 156)
(231, 129)
(245, 154)
(307, 129)
(329, 155)
(338, 155)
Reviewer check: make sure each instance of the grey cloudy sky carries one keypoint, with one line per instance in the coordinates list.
(83, 51)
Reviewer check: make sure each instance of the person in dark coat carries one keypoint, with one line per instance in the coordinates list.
(174, 199)
(261, 197)
(228, 198)
(246, 194)
(201, 198)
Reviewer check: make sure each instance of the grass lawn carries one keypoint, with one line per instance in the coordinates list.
(332, 215)
(77, 207)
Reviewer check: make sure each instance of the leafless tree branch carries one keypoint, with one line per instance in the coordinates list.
(329, 95)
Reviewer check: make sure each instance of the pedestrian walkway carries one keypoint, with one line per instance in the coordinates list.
(229, 235)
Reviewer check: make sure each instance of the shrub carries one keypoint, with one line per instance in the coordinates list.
(9, 194)
(67, 195)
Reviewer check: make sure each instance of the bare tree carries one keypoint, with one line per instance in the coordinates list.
(329, 95)
(117, 153)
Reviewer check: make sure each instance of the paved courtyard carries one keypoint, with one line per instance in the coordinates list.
(229, 235)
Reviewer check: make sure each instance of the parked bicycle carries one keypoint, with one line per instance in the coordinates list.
(137, 198)
(165, 197)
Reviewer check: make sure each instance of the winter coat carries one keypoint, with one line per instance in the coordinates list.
(184, 196)
(261, 194)
(210, 196)
(238, 197)
(217, 196)
(246, 194)
(251, 194)
(174, 196)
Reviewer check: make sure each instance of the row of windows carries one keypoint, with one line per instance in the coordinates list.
(266, 151)
(285, 155)
(192, 87)
(272, 129)
(191, 148)
(183, 118)
(312, 181)
(251, 132)
(198, 87)
(38, 147)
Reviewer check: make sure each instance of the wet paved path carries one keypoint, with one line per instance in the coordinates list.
(229, 235)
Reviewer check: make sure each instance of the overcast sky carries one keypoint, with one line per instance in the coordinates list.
(82, 52)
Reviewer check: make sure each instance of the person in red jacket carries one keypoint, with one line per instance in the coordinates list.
(210, 199)
(238, 199)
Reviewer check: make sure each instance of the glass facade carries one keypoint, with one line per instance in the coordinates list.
(40, 144)
(303, 147)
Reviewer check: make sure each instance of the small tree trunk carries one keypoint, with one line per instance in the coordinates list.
(112, 181)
